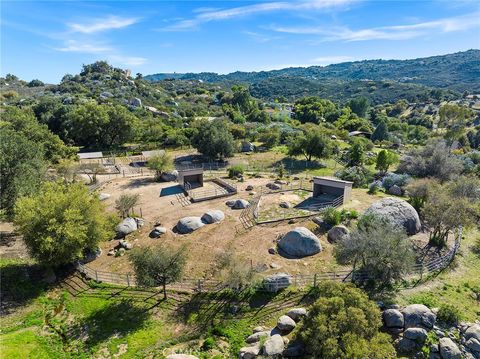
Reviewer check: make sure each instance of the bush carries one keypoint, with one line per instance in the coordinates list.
(373, 188)
(209, 344)
(448, 314)
(359, 175)
(393, 179)
(235, 171)
(332, 217)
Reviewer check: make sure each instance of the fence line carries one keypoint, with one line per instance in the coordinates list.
(212, 285)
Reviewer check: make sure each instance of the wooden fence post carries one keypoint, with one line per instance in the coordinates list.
(315, 280)
(96, 276)
(128, 280)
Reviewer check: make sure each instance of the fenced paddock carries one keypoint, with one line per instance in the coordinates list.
(301, 281)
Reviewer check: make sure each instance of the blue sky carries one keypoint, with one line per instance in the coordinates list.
(47, 39)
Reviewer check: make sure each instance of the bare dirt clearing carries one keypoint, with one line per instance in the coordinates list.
(159, 205)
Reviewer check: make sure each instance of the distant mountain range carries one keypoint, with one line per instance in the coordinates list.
(457, 72)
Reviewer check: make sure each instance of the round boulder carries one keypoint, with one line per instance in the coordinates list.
(338, 233)
(297, 314)
(213, 216)
(277, 282)
(274, 346)
(189, 224)
(241, 204)
(127, 226)
(169, 176)
(398, 211)
(300, 242)
(393, 318)
(418, 315)
(286, 324)
(448, 349)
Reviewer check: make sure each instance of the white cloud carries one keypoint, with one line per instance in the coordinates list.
(127, 60)
(396, 32)
(75, 46)
(216, 15)
(96, 25)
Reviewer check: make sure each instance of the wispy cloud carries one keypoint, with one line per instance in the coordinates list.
(225, 14)
(327, 60)
(258, 37)
(89, 48)
(103, 24)
(127, 60)
(396, 32)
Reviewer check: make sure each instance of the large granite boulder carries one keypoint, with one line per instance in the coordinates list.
(300, 242)
(274, 346)
(472, 332)
(393, 318)
(213, 216)
(249, 352)
(297, 314)
(241, 204)
(418, 315)
(277, 282)
(448, 349)
(286, 324)
(169, 176)
(127, 226)
(338, 233)
(398, 211)
(189, 224)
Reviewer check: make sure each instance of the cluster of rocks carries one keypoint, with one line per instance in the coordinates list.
(411, 325)
(120, 248)
(238, 203)
(189, 224)
(274, 343)
(299, 242)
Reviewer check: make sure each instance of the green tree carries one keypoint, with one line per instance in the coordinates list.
(385, 159)
(160, 163)
(381, 132)
(356, 154)
(60, 222)
(311, 142)
(312, 109)
(22, 167)
(454, 118)
(214, 140)
(359, 106)
(158, 266)
(379, 249)
(344, 324)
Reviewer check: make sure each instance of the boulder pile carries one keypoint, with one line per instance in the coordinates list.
(410, 327)
(189, 224)
(275, 344)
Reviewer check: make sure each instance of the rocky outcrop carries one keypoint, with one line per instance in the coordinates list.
(338, 233)
(189, 224)
(418, 315)
(398, 211)
(300, 242)
(213, 216)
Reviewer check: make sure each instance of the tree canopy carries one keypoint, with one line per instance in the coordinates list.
(214, 140)
(310, 142)
(60, 222)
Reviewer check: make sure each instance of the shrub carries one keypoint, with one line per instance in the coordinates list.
(359, 175)
(373, 188)
(209, 344)
(448, 314)
(393, 179)
(235, 171)
(332, 216)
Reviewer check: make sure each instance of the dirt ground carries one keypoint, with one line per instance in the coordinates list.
(159, 206)
(11, 244)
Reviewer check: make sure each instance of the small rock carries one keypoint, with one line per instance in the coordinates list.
(395, 190)
(393, 318)
(277, 282)
(285, 204)
(286, 324)
(275, 266)
(249, 188)
(241, 204)
(249, 352)
(103, 196)
(405, 345)
(448, 349)
(230, 203)
(111, 252)
(417, 334)
(338, 233)
(255, 337)
(272, 250)
(157, 232)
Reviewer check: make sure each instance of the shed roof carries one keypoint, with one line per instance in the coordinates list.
(331, 179)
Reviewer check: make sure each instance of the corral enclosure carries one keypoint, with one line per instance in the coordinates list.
(163, 203)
